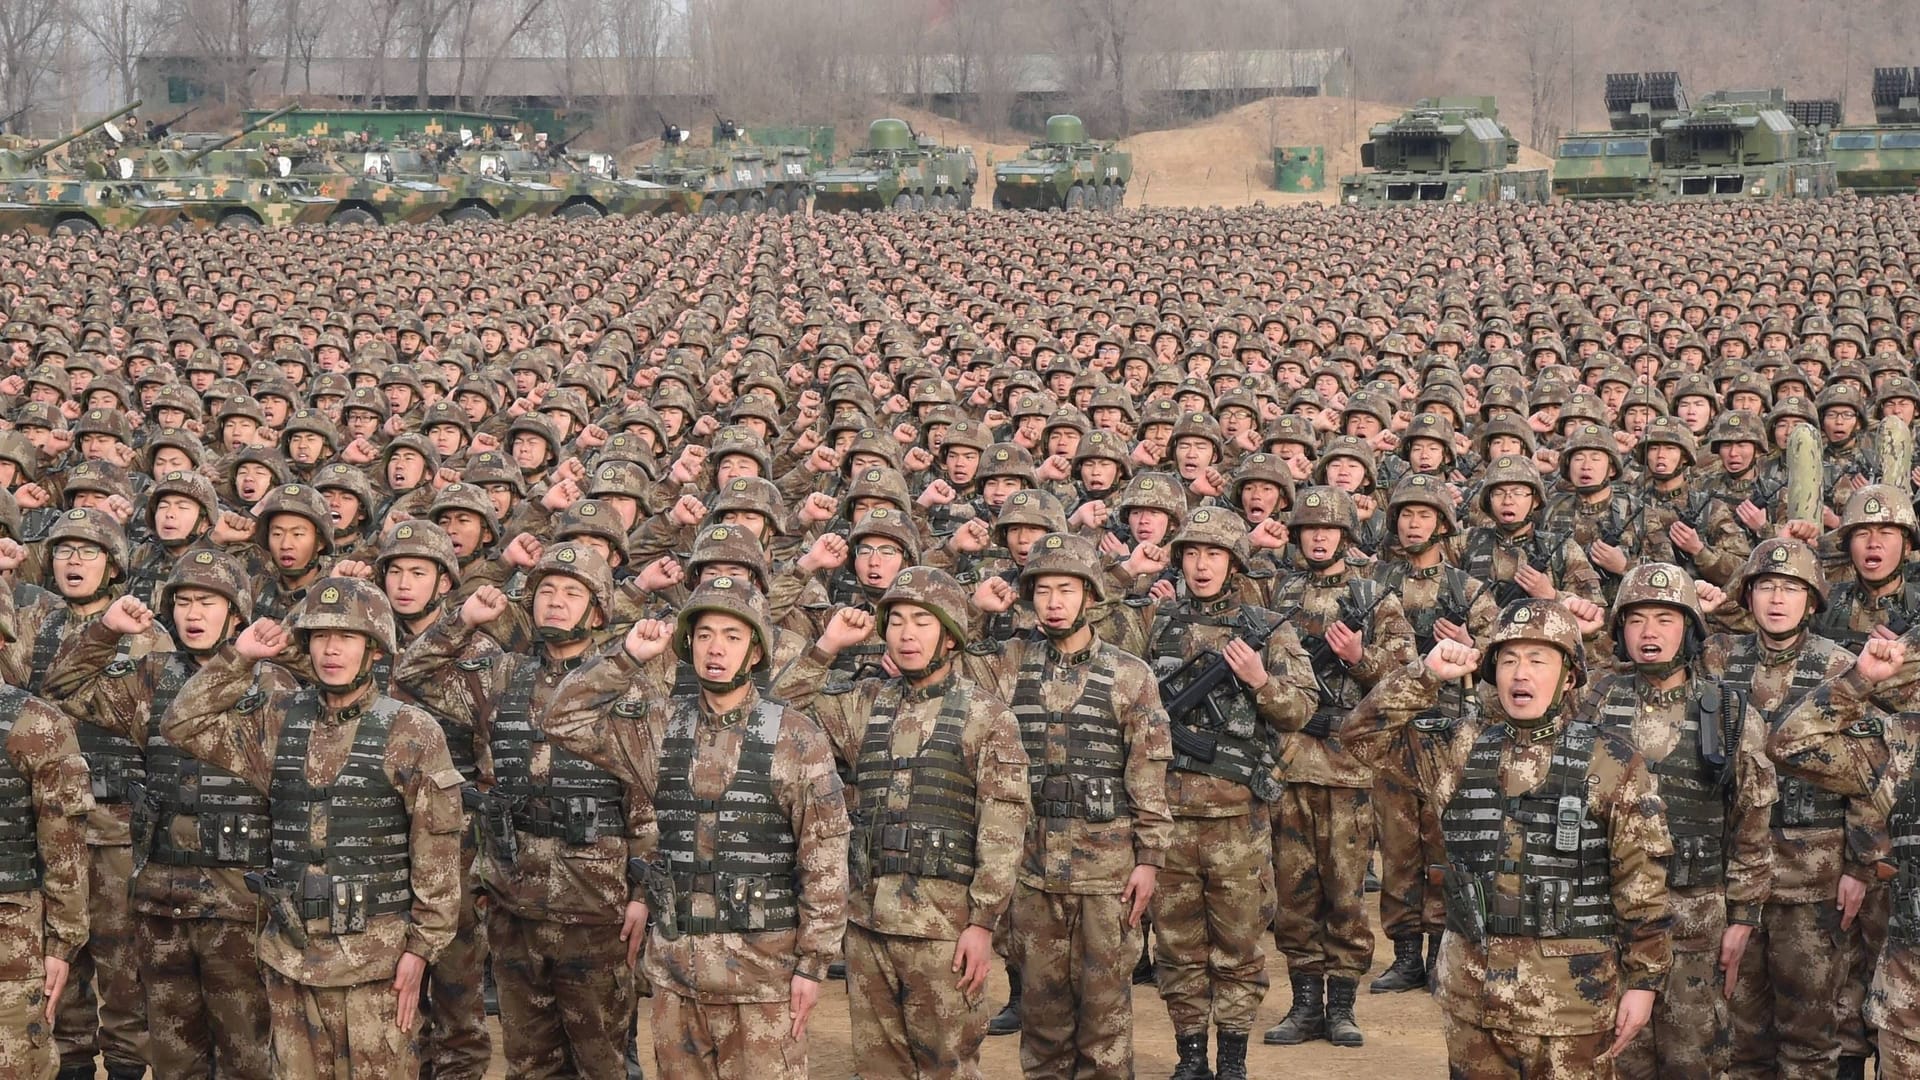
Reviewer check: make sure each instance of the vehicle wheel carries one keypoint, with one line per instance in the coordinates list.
(238, 219)
(756, 203)
(579, 210)
(903, 202)
(729, 205)
(919, 202)
(75, 226)
(469, 213)
(354, 215)
(950, 201)
(1076, 198)
(966, 197)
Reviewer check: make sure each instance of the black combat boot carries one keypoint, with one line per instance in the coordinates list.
(1408, 971)
(1341, 1028)
(1144, 973)
(121, 1071)
(1231, 1063)
(1007, 1020)
(1433, 962)
(1306, 1019)
(76, 1072)
(1852, 1068)
(1193, 1058)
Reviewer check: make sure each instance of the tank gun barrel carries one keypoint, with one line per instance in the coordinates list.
(39, 152)
(228, 140)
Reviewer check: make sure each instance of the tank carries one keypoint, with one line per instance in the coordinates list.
(1882, 158)
(98, 195)
(235, 189)
(733, 176)
(1443, 150)
(1741, 144)
(899, 170)
(1619, 163)
(1064, 171)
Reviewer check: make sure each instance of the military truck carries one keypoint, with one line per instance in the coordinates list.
(1064, 171)
(1619, 163)
(899, 170)
(1446, 149)
(1741, 144)
(98, 196)
(238, 190)
(732, 176)
(1883, 158)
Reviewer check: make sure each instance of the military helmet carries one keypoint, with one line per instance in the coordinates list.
(888, 524)
(1154, 491)
(1734, 426)
(215, 571)
(740, 440)
(96, 527)
(1660, 584)
(1325, 507)
(1779, 556)
(1511, 469)
(1213, 526)
(493, 467)
(1428, 426)
(1037, 508)
(1419, 489)
(187, 485)
(100, 478)
(930, 588)
(1667, 431)
(751, 493)
(299, 500)
(881, 482)
(626, 479)
(592, 517)
(725, 595)
(1005, 459)
(581, 563)
(1880, 504)
(1064, 553)
(348, 605)
(1533, 619)
(1347, 446)
(1591, 437)
(420, 540)
(1261, 467)
(729, 544)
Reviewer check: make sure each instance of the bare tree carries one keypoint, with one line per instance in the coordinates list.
(122, 31)
(1546, 41)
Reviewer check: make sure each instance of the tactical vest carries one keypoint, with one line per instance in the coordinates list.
(459, 739)
(1239, 748)
(1544, 553)
(19, 830)
(578, 802)
(364, 868)
(1091, 783)
(1903, 830)
(146, 578)
(1339, 691)
(46, 642)
(1566, 878)
(1453, 599)
(1695, 795)
(932, 834)
(751, 876)
(1801, 804)
(114, 762)
(1833, 623)
(234, 819)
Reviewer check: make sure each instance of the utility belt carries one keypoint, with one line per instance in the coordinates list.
(914, 850)
(744, 903)
(1475, 910)
(576, 820)
(344, 903)
(1804, 805)
(1096, 799)
(1697, 862)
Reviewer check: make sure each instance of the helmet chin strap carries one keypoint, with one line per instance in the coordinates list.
(1061, 633)
(1420, 548)
(1513, 528)
(1588, 489)
(939, 660)
(1661, 669)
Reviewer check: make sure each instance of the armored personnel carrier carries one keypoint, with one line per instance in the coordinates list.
(1448, 149)
(1883, 158)
(1741, 144)
(368, 192)
(899, 170)
(732, 176)
(236, 190)
(1064, 171)
(584, 193)
(98, 196)
(1619, 163)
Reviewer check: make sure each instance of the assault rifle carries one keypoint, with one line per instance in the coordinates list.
(1198, 678)
(1321, 655)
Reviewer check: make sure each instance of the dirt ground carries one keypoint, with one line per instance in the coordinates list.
(1403, 1036)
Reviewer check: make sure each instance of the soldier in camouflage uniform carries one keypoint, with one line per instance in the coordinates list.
(1598, 514)
(1682, 522)
(1354, 632)
(1096, 739)
(364, 892)
(1706, 749)
(1439, 600)
(1552, 969)
(940, 781)
(737, 953)
(1512, 552)
(197, 829)
(1795, 962)
(559, 828)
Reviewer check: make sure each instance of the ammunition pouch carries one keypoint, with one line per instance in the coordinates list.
(341, 901)
(1267, 787)
(921, 851)
(1466, 903)
(498, 817)
(1697, 861)
(662, 902)
(1545, 910)
(1803, 805)
(282, 913)
(1096, 799)
(110, 783)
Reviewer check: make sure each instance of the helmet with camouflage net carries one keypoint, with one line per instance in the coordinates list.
(1325, 507)
(1667, 431)
(214, 571)
(1780, 556)
(1064, 553)
(95, 527)
(1880, 504)
(1532, 619)
(592, 518)
(1419, 489)
(728, 545)
(1213, 526)
(931, 589)
(581, 563)
(297, 500)
(726, 595)
(756, 494)
(1005, 459)
(348, 605)
(1656, 584)
(186, 485)
(888, 524)
(1036, 508)
(420, 540)
(1511, 469)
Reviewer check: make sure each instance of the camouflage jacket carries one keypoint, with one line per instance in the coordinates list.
(1727, 545)
(50, 921)
(1311, 604)
(610, 712)
(1529, 985)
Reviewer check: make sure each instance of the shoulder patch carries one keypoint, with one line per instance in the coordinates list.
(1432, 725)
(250, 701)
(837, 687)
(119, 669)
(630, 709)
(478, 663)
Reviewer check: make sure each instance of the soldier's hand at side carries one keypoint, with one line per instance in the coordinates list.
(647, 639)
(1247, 664)
(127, 615)
(1589, 616)
(1139, 892)
(849, 626)
(1450, 660)
(802, 994)
(485, 605)
(1636, 1008)
(1879, 660)
(1733, 945)
(633, 930)
(1344, 642)
(56, 985)
(972, 956)
(1448, 630)
(1851, 894)
(263, 639)
(406, 990)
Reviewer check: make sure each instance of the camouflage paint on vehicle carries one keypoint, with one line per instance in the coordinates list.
(901, 171)
(1883, 158)
(1741, 144)
(1448, 149)
(38, 201)
(732, 176)
(232, 190)
(1064, 171)
(367, 190)
(584, 192)
(1620, 163)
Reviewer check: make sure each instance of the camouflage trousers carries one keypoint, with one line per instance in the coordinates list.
(909, 1020)
(566, 995)
(339, 1032)
(1783, 1020)
(26, 1042)
(1075, 954)
(752, 1040)
(206, 1001)
(1410, 841)
(1863, 941)
(1213, 903)
(1322, 842)
(1899, 1057)
(1690, 1033)
(103, 1012)
(454, 1039)
(1475, 1053)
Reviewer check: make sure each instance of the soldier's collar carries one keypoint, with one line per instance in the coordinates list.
(1771, 657)
(1649, 695)
(1329, 581)
(1219, 605)
(1545, 729)
(734, 715)
(1423, 573)
(1071, 659)
(913, 695)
